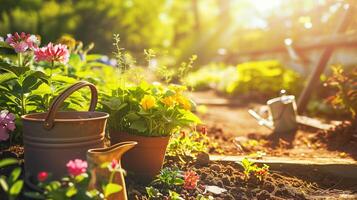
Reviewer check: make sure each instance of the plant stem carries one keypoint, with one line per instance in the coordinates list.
(50, 81)
(20, 59)
(111, 177)
(22, 96)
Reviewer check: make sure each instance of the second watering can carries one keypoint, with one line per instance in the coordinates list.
(282, 114)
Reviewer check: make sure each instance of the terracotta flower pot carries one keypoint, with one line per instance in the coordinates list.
(146, 159)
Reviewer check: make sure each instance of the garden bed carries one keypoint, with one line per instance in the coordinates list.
(276, 185)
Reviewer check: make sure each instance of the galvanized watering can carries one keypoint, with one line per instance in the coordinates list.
(282, 114)
(52, 139)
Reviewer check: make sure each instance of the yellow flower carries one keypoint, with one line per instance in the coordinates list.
(148, 102)
(168, 101)
(184, 102)
(67, 40)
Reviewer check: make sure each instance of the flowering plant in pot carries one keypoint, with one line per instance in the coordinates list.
(148, 114)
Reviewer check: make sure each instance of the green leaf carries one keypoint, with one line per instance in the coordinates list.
(174, 195)
(179, 181)
(16, 188)
(112, 188)
(6, 77)
(132, 116)
(114, 104)
(8, 161)
(54, 185)
(5, 45)
(104, 165)
(30, 79)
(3, 183)
(13, 69)
(153, 192)
(81, 177)
(140, 126)
(71, 192)
(93, 57)
(75, 61)
(14, 175)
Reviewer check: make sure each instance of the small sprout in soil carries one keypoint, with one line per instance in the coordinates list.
(153, 192)
(174, 196)
(169, 177)
(250, 168)
(187, 145)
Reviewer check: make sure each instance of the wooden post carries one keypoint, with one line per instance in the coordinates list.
(321, 65)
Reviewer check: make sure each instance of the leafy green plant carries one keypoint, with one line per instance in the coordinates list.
(266, 77)
(150, 110)
(187, 144)
(153, 192)
(174, 195)
(11, 185)
(170, 177)
(250, 168)
(346, 85)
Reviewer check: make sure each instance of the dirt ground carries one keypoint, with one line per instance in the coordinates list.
(237, 133)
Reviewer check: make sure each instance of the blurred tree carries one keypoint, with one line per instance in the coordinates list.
(207, 28)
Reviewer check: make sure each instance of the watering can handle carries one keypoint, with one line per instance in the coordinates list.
(49, 121)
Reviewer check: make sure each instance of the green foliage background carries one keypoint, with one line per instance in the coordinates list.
(178, 28)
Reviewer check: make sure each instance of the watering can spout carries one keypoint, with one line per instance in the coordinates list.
(99, 156)
(261, 120)
(282, 114)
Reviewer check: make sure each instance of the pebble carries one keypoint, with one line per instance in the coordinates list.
(202, 159)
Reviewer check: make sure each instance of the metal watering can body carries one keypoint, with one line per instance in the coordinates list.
(282, 114)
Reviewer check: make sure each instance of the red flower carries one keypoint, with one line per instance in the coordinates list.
(42, 176)
(52, 53)
(114, 165)
(191, 179)
(76, 167)
(262, 172)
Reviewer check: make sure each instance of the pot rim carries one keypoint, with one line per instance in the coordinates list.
(112, 148)
(29, 117)
(137, 135)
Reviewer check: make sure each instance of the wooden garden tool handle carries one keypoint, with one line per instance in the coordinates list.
(49, 121)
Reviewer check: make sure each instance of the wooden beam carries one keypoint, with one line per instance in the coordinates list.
(340, 40)
(321, 65)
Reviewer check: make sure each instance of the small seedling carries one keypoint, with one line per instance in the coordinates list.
(153, 192)
(170, 177)
(188, 144)
(250, 168)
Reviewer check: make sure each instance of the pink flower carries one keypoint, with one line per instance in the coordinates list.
(76, 167)
(191, 179)
(22, 42)
(4, 135)
(42, 176)
(6, 124)
(52, 53)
